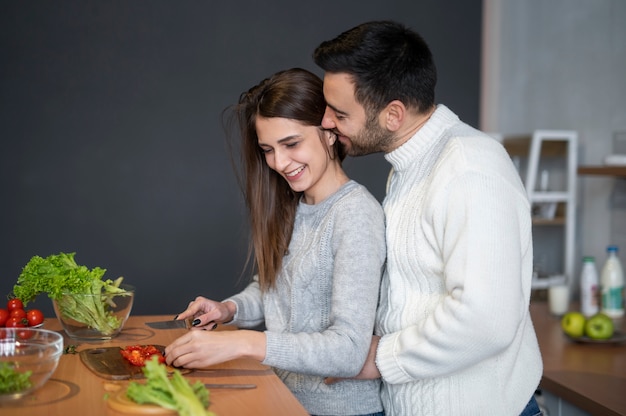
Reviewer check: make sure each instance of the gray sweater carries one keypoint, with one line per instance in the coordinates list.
(320, 316)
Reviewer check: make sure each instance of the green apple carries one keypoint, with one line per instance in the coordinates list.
(573, 324)
(599, 326)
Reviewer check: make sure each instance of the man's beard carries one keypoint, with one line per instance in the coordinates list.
(372, 138)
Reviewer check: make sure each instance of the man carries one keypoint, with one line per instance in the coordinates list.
(453, 333)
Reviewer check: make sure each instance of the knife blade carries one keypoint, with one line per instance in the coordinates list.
(229, 386)
(173, 324)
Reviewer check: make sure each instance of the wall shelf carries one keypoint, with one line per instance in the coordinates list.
(520, 146)
(602, 170)
(534, 147)
(554, 221)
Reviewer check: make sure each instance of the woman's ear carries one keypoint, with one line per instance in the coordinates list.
(331, 136)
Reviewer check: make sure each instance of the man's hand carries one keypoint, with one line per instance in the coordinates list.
(369, 370)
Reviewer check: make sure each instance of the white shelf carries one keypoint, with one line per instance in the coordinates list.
(549, 196)
(568, 197)
(551, 143)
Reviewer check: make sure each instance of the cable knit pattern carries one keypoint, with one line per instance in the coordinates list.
(320, 317)
(457, 334)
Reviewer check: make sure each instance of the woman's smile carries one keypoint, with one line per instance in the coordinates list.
(295, 173)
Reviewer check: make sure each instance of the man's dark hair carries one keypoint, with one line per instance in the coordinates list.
(387, 62)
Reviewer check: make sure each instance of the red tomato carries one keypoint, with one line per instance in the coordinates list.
(4, 315)
(18, 313)
(138, 354)
(14, 303)
(34, 316)
(15, 323)
(24, 334)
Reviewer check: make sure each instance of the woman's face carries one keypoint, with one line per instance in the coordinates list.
(299, 155)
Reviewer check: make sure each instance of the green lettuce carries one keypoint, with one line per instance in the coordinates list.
(11, 380)
(175, 393)
(80, 293)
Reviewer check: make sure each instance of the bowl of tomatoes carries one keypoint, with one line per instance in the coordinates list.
(28, 357)
(16, 316)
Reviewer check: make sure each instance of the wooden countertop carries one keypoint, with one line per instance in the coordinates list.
(590, 376)
(75, 390)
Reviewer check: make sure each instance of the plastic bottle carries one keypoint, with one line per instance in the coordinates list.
(589, 287)
(612, 285)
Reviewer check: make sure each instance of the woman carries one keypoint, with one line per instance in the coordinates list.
(319, 249)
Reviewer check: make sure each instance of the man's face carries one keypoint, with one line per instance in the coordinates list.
(359, 132)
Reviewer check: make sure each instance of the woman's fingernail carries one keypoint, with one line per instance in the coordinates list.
(176, 317)
(196, 322)
(214, 326)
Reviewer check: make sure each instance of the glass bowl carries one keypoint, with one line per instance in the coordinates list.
(94, 317)
(28, 357)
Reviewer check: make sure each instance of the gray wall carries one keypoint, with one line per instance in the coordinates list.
(110, 137)
(561, 65)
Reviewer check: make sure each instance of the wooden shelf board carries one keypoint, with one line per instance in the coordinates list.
(602, 170)
(554, 221)
(520, 146)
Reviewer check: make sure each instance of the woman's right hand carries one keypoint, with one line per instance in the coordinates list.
(206, 313)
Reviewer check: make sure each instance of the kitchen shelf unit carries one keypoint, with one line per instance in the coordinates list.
(535, 147)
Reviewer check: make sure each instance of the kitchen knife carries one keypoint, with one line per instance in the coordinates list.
(173, 324)
(230, 386)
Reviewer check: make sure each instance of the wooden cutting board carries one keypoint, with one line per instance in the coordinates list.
(122, 404)
(108, 363)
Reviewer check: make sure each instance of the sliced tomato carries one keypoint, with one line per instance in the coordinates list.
(139, 354)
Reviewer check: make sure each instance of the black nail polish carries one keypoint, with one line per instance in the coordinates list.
(214, 326)
(176, 317)
(196, 322)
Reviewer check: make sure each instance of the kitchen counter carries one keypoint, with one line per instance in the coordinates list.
(590, 376)
(74, 389)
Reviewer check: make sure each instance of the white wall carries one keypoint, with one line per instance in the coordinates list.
(561, 64)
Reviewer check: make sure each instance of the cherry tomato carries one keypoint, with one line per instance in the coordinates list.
(18, 313)
(4, 315)
(14, 303)
(34, 317)
(14, 322)
(24, 334)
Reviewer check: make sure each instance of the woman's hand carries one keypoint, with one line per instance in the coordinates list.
(201, 349)
(208, 313)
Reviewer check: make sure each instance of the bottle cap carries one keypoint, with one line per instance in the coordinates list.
(612, 248)
(589, 259)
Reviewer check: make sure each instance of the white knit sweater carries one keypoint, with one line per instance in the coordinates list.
(457, 334)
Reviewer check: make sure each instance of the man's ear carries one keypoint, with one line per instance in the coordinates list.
(393, 115)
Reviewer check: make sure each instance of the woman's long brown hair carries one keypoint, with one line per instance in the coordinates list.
(295, 94)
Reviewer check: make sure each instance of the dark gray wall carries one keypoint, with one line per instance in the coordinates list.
(110, 137)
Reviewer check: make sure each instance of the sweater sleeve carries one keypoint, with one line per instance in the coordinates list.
(249, 306)
(478, 232)
(356, 240)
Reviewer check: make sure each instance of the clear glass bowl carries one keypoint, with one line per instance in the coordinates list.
(29, 355)
(90, 317)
